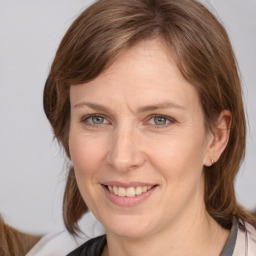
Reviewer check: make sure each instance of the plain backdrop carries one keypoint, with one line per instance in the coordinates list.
(32, 166)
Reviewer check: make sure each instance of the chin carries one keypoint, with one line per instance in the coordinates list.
(129, 226)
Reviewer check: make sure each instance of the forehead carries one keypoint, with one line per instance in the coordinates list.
(145, 60)
(144, 73)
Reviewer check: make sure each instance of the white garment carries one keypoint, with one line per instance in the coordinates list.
(60, 243)
(245, 241)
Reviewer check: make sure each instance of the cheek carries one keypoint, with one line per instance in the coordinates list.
(179, 157)
(86, 153)
(180, 163)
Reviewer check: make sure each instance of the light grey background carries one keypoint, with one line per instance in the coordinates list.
(32, 166)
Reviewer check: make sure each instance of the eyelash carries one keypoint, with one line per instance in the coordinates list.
(169, 119)
(84, 119)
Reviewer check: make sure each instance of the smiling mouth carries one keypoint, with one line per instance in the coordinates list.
(128, 192)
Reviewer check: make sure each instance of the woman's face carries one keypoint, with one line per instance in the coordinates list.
(138, 143)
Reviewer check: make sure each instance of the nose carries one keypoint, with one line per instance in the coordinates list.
(125, 153)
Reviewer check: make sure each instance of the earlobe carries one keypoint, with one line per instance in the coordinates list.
(219, 138)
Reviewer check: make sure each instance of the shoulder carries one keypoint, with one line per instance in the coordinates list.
(93, 247)
(251, 237)
(59, 243)
(55, 243)
(246, 240)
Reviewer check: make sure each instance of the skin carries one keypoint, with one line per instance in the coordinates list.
(131, 146)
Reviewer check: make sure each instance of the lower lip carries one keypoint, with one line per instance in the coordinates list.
(128, 201)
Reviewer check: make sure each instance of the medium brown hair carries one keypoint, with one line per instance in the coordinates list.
(202, 51)
(14, 242)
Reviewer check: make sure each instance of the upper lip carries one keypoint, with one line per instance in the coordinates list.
(127, 184)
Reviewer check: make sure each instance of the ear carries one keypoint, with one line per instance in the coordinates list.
(218, 138)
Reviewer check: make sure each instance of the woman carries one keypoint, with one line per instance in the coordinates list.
(146, 100)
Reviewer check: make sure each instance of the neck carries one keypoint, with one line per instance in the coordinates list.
(199, 235)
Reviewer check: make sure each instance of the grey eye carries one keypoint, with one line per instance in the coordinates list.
(160, 120)
(97, 120)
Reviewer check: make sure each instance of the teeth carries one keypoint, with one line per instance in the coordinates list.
(128, 192)
(144, 189)
(121, 192)
(138, 191)
(115, 190)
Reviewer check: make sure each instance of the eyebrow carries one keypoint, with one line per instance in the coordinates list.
(163, 105)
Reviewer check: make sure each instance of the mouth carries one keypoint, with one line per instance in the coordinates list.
(130, 191)
(128, 194)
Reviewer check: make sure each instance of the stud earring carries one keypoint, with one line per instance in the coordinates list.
(212, 161)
